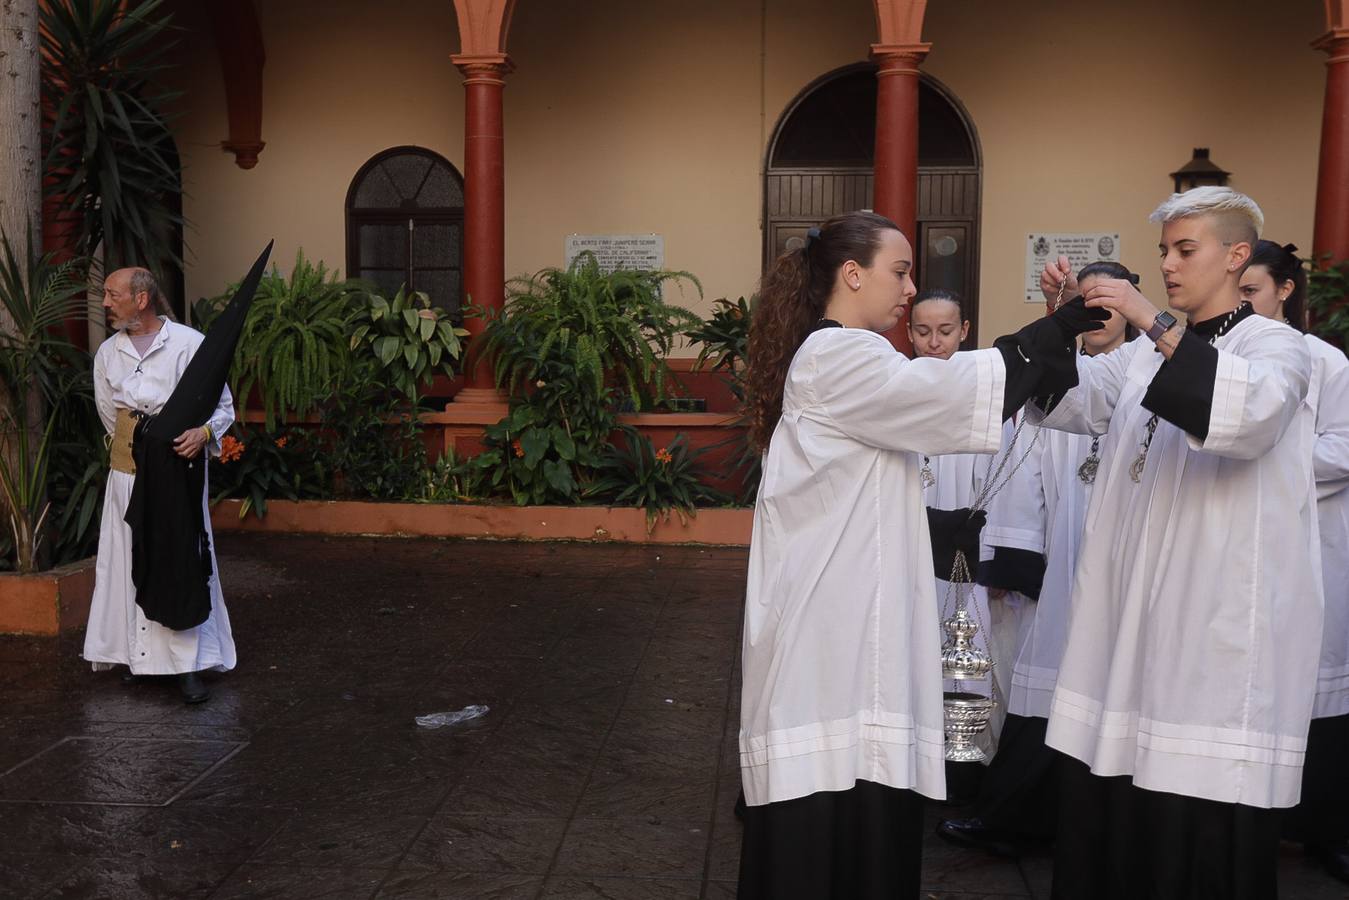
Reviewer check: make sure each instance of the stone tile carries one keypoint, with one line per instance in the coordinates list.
(611, 796)
(255, 881)
(541, 789)
(335, 837)
(597, 888)
(1038, 872)
(951, 869)
(186, 878)
(458, 842)
(642, 847)
(720, 890)
(420, 885)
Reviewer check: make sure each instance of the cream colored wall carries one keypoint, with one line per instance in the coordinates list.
(635, 117)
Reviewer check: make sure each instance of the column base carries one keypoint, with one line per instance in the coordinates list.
(480, 400)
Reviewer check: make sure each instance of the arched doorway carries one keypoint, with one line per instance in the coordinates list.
(405, 225)
(820, 164)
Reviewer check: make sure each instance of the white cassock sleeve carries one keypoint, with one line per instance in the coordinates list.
(221, 419)
(1330, 458)
(1256, 396)
(1087, 408)
(107, 411)
(883, 399)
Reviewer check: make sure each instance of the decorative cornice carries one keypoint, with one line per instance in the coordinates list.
(898, 59)
(483, 68)
(1336, 43)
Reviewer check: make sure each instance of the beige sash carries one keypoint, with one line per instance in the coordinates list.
(120, 449)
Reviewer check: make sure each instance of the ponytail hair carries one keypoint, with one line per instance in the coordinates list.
(792, 300)
(1283, 265)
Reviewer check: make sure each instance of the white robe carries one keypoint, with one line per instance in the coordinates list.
(842, 677)
(1045, 514)
(1329, 398)
(1198, 592)
(118, 631)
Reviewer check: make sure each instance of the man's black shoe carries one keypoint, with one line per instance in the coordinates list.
(194, 691)
(974, 833)
(1334, 859)
(130, 677)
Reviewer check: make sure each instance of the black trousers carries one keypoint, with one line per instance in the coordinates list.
(860, 844)
(1120, 842)
(1019, 796)
(1322, 818)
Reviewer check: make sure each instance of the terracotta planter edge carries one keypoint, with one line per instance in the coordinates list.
(47, 603)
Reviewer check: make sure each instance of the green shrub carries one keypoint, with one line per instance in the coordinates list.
(660, 481)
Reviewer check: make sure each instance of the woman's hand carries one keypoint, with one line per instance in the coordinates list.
(1057, 273)
(1122, 297)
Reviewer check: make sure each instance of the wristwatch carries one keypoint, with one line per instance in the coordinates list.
(1160, 325)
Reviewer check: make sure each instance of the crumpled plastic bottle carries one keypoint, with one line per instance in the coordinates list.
(440, 720)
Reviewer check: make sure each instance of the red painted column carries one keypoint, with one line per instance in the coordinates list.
(1331, 232)
(896, 164)
(484, 208)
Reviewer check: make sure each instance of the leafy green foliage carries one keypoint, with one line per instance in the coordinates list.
(110, 158)
(725, 343)
(540, 454)
(257, 464)
(373, 445)
(1328, 298)
(660, 481)
(411, 339)
(295, 344)
(41, 374)
(613, 329)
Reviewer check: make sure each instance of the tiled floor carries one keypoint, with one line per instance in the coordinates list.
(605, 769)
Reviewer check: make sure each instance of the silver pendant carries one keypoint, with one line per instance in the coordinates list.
(925, 476)
(1136, 470)
(1086, 473)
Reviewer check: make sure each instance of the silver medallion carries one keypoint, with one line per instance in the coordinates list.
(1086, 473)
(925, 476)
(1136, 470)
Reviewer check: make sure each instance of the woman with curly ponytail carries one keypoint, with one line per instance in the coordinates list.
(841, 712)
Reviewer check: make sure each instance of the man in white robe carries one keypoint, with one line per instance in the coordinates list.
(135, 371)
(1190, 667)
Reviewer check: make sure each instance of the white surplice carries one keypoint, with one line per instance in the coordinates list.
(118, 630)
(1047, 505)
(1196, 615)
(842, 677)
(1330, 399)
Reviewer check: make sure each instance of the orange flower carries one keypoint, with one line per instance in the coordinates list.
(281, 443)
(230, 448)
(663, 455)
(519, 451)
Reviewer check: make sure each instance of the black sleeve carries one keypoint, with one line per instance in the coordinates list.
(1012, 569)
(1182, 390)
(1038, 365)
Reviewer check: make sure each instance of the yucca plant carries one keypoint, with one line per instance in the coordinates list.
(110, 159)
(411, 339)
(611, 327)
(295, 343)
(38, 296)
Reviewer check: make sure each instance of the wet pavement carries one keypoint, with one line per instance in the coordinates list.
(606, 767)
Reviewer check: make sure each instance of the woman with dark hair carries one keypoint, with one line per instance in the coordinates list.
(1035, 528)
(841, 712)
(1275, 283)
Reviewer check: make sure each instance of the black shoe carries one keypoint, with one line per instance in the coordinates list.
(1335, 860)
(194, 691)
(974, 833)
(130, 677)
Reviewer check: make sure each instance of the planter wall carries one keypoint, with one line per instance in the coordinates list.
(47, 603)
(729, 527)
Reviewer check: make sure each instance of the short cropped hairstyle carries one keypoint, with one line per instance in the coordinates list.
(142, 280)
(1237, 217)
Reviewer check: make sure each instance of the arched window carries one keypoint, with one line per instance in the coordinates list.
(820, 164)
(405, 224)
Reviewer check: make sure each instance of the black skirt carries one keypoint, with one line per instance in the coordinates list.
(1121, 842)
(1322, 818)
(861, 844)
(1019, 797)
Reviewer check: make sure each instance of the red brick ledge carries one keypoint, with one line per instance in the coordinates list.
(721, 527)
(46, 603)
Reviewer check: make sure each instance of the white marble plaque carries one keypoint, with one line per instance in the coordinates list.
(1080, 248)
(619, 251)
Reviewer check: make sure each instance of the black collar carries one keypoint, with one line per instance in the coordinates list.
(1209, 327)
(825, 323)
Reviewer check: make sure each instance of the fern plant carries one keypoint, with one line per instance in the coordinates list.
(611, 327)
(295, 344)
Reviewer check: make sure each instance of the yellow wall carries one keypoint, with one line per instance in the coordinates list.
(634, 117)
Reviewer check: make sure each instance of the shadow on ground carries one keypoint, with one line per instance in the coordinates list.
(605, 769)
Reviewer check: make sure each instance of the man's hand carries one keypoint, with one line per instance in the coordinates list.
(1056, 273)
(1122, 297)
(190, 443)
